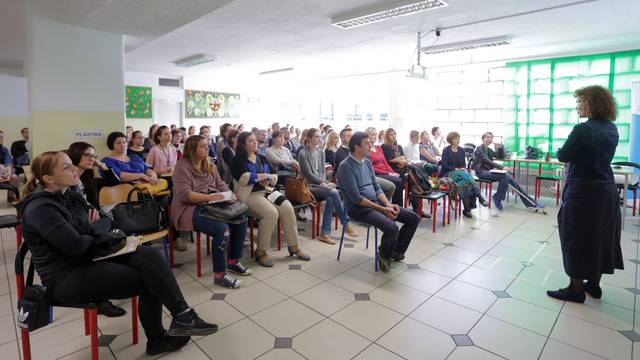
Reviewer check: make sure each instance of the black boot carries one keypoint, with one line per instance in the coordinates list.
(166, 344)
(107, 309)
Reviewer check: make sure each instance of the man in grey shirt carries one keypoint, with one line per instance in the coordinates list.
(365, 202)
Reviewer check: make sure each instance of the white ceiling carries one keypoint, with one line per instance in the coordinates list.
(250, 36)
(257, 35)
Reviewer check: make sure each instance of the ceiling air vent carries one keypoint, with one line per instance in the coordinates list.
(195, 60)
(169, 82)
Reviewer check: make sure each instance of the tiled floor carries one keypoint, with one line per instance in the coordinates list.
(474, 290)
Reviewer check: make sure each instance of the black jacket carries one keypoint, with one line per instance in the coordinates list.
(588, 151)
(56, 228)
(483, 159)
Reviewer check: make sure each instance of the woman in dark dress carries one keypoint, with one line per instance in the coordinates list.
(453, 165)
(589, 219)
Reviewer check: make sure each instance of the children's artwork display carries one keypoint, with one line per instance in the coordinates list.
(206, 104)
(138, 102)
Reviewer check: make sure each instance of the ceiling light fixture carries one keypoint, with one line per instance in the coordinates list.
(400, 8)
(195, 60)
(466, 45)
(276, 71)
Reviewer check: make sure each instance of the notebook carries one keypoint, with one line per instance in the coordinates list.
(132, 245)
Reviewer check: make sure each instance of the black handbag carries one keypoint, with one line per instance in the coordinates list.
(137, 217)
(33, 307)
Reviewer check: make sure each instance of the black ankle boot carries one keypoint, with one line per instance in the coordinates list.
(593, 289)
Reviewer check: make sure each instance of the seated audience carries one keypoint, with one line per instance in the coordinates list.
(412, 150)
(289, 143)
(221, 139)
(280, 157)
(20, 151)
(128, 131)
(176, 141)
(343, 150)
(194, 179)
(388, 180)
(183, 134)
(263, 144)
(438, 139)
(483, 163)
(311, 159)
(191, 131)
(228, 152)
(428, 151)
(330, 147)
(128, 168)
(253, 181)
(6, 168)
(205, 132)
(394, 153)
(83, 157)
(136, 145)
(149, 141)
(60, 230)
(453, 165)
(162, 157)
(365, 202)
(380, 140)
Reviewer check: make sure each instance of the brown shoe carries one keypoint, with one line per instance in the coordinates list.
(350, 231)
(326, 239)
(417, 190)
(295, 250)
(263, 259)
(179, 244)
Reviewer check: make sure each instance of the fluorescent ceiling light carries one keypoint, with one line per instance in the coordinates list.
(467, 45)
(276, 71)
(373, 15)
(195, 60)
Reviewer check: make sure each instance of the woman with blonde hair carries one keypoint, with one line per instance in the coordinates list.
(61, 231)
(332, 142)
(195, 181)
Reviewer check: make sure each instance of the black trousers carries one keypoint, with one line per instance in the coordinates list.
(394, 240)
(143, 273)
(397, 196)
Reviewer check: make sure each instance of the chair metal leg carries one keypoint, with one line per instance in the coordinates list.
(279, 234)
(434, 213)
(198, 256)
(318, 220)
(93, 322)
(444, 210)
(558, 197)
(171, 257)
(490, 197)
(375, 252)
(313, 223)
(165, 247)
(87, 323)
(134, 320)
(406, 193)
(341, 241)
(19, 234)
(367, 243)
(26, 344)
(251, 237)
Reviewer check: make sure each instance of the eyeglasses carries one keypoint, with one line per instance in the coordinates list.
(90, 155)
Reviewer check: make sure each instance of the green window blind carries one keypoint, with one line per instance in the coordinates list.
(539, 104)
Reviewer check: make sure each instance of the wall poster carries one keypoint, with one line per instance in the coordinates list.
(138, 102)
(207, 104)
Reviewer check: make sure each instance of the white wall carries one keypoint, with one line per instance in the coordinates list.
(14, 111)
(83, 80)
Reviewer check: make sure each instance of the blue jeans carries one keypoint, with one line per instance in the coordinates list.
(219, 232)
(332, 201)
(504, 180)
(394, 241)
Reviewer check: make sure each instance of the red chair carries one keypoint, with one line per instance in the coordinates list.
(90, 311)
(433, 198)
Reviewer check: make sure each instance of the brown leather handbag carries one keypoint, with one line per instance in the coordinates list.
(297, 190)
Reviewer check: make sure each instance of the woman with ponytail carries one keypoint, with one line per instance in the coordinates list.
(61, 229)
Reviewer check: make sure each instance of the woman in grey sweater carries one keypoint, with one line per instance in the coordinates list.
(279, 156)
(311, 159)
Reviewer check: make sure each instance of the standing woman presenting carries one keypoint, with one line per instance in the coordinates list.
(589, 219)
